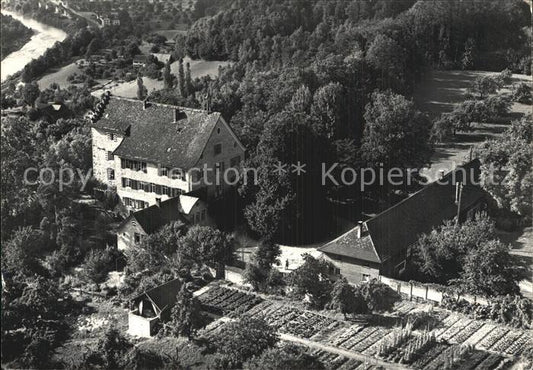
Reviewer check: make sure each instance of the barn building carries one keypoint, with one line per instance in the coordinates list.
(382, 244)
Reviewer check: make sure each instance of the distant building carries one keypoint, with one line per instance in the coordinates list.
(382, 244)
(110, 19)
(52, 111)
(153, 152)
(151, 308)
(140, 61)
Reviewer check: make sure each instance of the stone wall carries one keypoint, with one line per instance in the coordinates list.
(101, 145)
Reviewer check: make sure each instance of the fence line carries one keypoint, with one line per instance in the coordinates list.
(426, 292)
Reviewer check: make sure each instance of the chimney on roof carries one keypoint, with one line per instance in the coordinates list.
(441, 174)
(158, 202)
(458, 190)
(145, 104)
(177, 113)
(360, 229)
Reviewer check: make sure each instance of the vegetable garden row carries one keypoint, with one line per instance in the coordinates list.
(225, 301)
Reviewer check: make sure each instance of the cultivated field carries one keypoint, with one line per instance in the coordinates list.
(455, 340)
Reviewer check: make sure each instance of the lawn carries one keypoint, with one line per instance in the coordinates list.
(438, 93)
(199, 68)
(181, 29)
(58, 76)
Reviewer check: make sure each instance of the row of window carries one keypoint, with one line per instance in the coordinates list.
(133, 165)
(163, 171)
(150, 187)
(134, 203)
(174, 173)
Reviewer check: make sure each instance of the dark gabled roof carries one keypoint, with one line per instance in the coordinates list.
(163, 296)
(54, 111)
(398, 227)
(154, 217)
(152, 134)
(349, 245)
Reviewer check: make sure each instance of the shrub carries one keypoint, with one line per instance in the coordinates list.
(97, 265)
(505, 77)
(515, 311)
(378, 296)
(522, 93)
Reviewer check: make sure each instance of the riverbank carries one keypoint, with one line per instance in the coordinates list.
(14, 35)
(44, 37)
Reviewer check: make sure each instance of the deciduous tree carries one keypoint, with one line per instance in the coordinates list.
(346, 299)
(240, 340)
(287, 357)
(489, 270)
(396, 134)
(378, 296)
(313, 279)
(30, 93)
(204, 244)
(186, 315)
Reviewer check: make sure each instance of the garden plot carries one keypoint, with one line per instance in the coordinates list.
(293, 321)
(494, 336)
(341, 335)
(512, 343)
(409, 350)
(421, 350)
(222, 301)
(480, 334)
(357, 337)
(453, 329)
(351, 364)
(330, 360)
(466, 332)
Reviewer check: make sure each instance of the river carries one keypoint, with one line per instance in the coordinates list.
(44, 37)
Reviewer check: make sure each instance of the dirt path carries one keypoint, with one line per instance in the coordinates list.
(357, 356)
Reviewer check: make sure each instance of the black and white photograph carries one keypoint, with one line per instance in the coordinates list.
(266, 184)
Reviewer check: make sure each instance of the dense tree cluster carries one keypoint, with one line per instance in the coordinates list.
(469, 257)
(46, 14)
(13, 35)
(240, 340)
(506, 167)
(303, 73)
(33, 321)
(316, 282)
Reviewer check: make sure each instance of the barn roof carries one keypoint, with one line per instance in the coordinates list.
(153, 134)
(398, 227)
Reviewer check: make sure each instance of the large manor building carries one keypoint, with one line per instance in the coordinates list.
(153, 152)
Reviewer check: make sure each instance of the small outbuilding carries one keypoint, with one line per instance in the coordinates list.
(149, 309)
